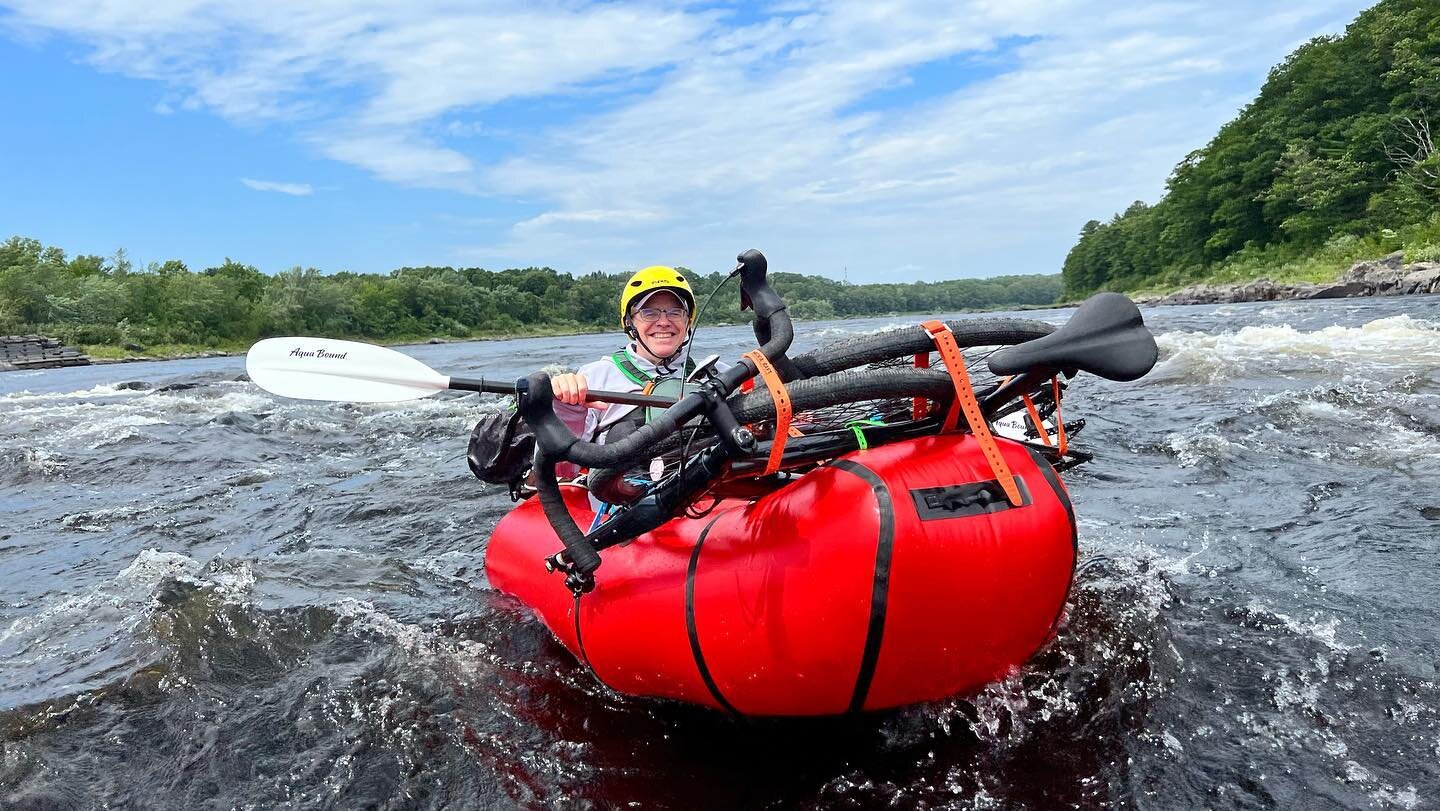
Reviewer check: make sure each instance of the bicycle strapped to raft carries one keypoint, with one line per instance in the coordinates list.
(730, 440)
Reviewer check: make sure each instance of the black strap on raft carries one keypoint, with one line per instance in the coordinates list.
(637, 375)
(580, 640)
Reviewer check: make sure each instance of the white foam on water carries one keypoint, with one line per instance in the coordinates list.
(462, 659)
(850, 332)
(1323, 630)
(1383, 794)
(1201, 445)
(101, 390)
(78, 422)
(152, 567)
(107, 430)
(1171, 742)
(449, 565)
(126, 601)
(1398, 342)
(1370, 422)
(43, 461)
(1355, 773)
(1407, 797)
(233, 580)
(248, 400)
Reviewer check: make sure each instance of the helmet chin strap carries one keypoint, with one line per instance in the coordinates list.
(663, 366)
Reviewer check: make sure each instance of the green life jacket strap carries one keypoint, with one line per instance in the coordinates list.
(639, 376)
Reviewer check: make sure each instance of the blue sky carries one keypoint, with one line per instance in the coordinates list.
(904, 140)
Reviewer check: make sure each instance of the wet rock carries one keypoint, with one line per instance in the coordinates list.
(1257, 290)
(1373, 269)
(134, 385)
(1422, 277)
(1343, 290)
(1389, 276)
(237, 419)
(1431, 513)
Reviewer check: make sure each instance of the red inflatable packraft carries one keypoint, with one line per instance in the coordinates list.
(886, 577)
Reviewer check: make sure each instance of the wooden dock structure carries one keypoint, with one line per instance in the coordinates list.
(37, 352)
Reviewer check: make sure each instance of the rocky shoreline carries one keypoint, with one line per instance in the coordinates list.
(1389, 276)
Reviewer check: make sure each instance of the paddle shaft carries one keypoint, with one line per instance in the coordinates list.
(621, 397)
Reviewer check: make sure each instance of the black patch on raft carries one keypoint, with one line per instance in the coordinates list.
(880, 586)
(961, 500)
(690, 620)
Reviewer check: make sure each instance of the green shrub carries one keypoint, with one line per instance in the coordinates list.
(1429, 252)
(83, 334)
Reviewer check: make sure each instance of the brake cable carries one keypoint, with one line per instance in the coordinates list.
(690, 344)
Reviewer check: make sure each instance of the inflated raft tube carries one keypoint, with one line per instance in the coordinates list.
(887, 577)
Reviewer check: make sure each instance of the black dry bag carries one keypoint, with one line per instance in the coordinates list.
(502, 449)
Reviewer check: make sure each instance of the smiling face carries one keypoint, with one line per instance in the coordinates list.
(663, 336)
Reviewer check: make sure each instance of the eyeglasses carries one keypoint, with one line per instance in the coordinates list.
(648, 315)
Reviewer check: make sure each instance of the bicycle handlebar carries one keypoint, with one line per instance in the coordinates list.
(555, 441)
(1106, 336)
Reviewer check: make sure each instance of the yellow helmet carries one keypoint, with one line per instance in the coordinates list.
(651, 279)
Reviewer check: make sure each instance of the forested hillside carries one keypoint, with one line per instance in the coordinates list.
(93, 301)
(1334, 160)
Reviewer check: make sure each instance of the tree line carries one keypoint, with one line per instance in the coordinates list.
(95, 301)
(1337, 148)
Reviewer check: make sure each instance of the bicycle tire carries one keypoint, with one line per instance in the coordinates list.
(851, 385)
(861, 350)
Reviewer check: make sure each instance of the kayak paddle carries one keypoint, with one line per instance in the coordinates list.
(353, 372)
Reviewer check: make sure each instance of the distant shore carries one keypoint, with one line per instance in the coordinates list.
(1388, 276)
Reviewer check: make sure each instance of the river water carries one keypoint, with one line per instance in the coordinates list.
(211, 597)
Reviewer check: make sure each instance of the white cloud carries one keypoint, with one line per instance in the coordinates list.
(295, 189)
(817, 133)
(401, 158)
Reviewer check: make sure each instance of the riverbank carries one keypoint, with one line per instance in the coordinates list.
(1388, 276)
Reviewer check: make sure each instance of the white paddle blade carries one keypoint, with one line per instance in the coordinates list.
(347, 371)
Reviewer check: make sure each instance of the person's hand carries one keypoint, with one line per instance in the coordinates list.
(571, 388)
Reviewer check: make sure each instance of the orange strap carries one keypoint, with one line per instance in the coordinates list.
(1035, 419)
(1059, 423)
(1040, 424)
(782, 408)
(965, 402)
